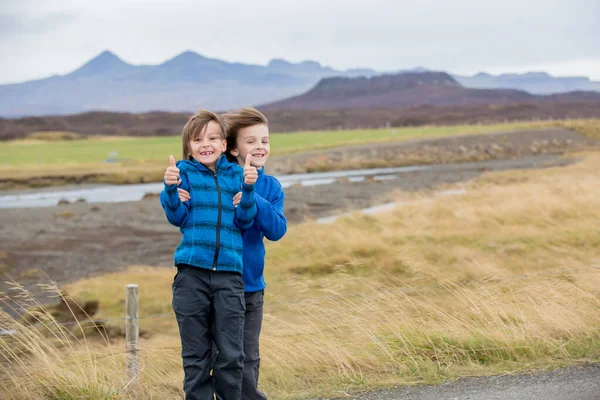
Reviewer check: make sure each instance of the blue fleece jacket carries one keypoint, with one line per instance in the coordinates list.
(210, 224)
(269, 222)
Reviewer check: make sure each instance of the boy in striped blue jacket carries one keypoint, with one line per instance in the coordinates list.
(248, 136)
(208, 290)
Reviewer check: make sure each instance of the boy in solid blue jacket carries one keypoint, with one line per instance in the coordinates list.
(208, 289)
(248, 139)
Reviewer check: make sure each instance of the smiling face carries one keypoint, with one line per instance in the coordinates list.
(208, 145)
(252, 140)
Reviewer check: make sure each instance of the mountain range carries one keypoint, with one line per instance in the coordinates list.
(190, 81)
(532, 82)
(184, 83)
(410, 89)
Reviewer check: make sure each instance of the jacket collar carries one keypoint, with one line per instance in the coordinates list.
(221, 165)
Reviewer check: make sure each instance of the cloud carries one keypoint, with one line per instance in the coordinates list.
(43, 37)
(13, 23)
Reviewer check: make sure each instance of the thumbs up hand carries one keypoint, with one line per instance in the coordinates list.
(250, 172)
(172, 173)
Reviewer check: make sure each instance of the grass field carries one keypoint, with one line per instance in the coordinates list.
(38, 152)
(41, 161)
(435, 290)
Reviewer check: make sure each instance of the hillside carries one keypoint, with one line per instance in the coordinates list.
(410, 89)
(163, 123)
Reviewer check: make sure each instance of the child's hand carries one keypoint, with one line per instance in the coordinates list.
(172, 173)
(250, 172)
(236, 199)
(184, 195)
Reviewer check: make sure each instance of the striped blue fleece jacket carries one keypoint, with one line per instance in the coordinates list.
(209, 222)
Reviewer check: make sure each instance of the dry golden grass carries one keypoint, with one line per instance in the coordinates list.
(590, 127)
(503, 278)
(31, 176)
(49, 136)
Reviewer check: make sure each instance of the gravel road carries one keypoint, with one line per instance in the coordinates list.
(572, 383)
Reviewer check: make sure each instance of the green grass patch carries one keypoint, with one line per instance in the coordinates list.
(125, 150)
(62, 158)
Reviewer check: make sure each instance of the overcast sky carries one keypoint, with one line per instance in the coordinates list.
(39, 38)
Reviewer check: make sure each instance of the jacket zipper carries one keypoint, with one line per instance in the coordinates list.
(218, 223)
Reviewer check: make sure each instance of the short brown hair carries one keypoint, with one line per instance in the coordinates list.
(240, 119)
(195, 125)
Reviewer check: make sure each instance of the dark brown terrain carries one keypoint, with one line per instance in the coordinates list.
(164, 124)
(348, 118)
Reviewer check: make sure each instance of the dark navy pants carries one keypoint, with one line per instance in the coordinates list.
(210, 305)
(252, 327)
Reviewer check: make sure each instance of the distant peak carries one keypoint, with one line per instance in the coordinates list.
(103, 62)
(537, 74)
(389, 81)
(106, 57)
(106, 54)
(311, 63)
(278, 62)
(188, 55)
(531, 74)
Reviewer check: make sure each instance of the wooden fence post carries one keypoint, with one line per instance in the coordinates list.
(132, 334)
